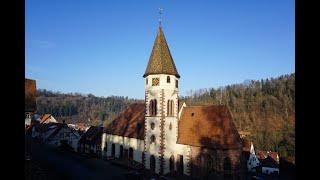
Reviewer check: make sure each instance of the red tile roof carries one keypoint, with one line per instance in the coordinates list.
(44, 117)
(129, 123)
(208, 126)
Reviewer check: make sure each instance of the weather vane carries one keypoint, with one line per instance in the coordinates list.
(160, 16)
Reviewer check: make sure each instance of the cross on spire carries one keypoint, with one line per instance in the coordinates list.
(160, 16)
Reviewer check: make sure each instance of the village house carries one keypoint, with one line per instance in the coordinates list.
(168, 136)
(269, 162)
(253, 161)
(30, 101)
(63, 135)
(90, 141)
(56, 134)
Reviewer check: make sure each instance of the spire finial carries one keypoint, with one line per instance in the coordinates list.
(160, 16)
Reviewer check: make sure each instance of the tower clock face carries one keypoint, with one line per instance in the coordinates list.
(155, 81)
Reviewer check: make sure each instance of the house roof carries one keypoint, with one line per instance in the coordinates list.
(208, 126)
(30, 95)
(269, 162)
(45, 127)
(59, 127)
(44, 117)
(93, 135)
(160, 61)
(129, 123)
(265, 154)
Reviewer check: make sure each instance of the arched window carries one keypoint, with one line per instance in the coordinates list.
(227, 166)
(168, 79)
(130, 153)
(113, 150)
(121, 151)
(171, 164)
(170, 126)
(170, 106)
(153, 107)
(106, 147)
(152, 139)
(152, 125)
(152, 163)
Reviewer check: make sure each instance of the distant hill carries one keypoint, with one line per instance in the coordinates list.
(76, 107)
(264, 109)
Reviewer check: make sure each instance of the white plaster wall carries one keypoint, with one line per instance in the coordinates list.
(136, 144)
(163, 82)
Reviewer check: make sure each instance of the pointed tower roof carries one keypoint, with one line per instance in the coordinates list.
(160, 61)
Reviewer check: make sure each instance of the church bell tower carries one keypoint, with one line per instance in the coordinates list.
(161, 81)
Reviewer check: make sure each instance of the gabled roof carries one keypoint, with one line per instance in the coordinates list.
(30, 95)
(44, 117)
(265, 154)
(269, 162)
(160, 61)
(93, 135)
(59, 127)
(208, 126)
(129, 123)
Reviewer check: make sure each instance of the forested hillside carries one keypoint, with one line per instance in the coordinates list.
(75, 107)
(265, 109)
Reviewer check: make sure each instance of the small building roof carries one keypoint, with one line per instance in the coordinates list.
(269, 162)
(208, 126)
(44, 117)
(129, 123)
(92, 135)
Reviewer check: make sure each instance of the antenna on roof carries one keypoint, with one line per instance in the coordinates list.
(160, 16)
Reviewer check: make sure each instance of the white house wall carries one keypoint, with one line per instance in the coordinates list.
(136, 144)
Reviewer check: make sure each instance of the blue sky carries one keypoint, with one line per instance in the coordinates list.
(102, 47)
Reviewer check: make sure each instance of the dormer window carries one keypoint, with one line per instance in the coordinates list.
(168, 79)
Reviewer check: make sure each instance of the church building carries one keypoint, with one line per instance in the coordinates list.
(168, 136)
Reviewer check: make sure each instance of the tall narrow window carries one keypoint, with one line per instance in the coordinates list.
(168, 79)
(170, 108)
(153, 107)
(147, 81)
(176, 83)
(171, 112)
